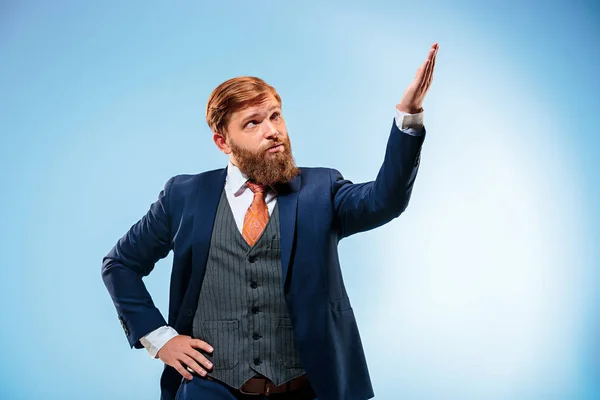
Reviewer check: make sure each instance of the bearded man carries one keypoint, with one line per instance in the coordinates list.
(257, 305)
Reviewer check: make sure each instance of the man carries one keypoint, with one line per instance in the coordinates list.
(257, 303)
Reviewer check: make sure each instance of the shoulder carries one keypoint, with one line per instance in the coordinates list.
(320, 174)
(190, 179)
(319, 178)
(185, 183)
(316, 172)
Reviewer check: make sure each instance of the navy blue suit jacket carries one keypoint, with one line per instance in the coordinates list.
(317, 209)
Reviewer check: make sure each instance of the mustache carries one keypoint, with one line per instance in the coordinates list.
(274, 143)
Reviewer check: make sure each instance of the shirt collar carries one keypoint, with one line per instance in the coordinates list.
(236, 180)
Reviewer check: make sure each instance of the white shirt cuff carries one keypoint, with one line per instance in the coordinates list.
(410, 123)
(156, 339)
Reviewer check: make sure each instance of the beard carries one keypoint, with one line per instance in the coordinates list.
(264, 168)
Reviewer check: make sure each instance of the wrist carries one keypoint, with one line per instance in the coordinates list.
(409, 109)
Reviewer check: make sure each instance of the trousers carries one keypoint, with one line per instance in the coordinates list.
(204, 389)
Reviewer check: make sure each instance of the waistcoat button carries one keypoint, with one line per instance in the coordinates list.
(255, 310)
(254, 285)
(256, 336)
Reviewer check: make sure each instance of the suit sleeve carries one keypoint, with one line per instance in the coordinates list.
(132, 258)
(364, 206)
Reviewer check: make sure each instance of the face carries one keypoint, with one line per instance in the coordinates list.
(257, 143)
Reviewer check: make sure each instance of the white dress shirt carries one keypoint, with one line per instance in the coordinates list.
(240, 197)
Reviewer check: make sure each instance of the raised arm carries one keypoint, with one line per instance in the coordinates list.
(364, 206)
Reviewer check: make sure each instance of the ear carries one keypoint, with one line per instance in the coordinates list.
(221, 143)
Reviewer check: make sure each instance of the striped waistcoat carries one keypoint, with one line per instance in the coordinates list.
(241, 309)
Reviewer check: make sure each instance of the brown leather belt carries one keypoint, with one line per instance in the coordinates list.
(264, 386)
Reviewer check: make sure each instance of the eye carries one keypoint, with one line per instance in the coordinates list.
(276, 116)
(250, 124)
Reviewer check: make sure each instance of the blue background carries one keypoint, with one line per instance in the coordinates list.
(486, 288)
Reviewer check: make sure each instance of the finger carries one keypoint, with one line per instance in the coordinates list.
(199, 358)
(429, 71)
(420, 72)
(426, 73)
(423, 72)
(431, 53)
(430, 77)
(422, 76)
(434, 46)
(182, 371)
(191, 363)
(200, 344)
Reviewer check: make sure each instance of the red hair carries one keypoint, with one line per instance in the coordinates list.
(234, 95)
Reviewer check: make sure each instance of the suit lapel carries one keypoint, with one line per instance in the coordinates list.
(207, 200)
(287, 199)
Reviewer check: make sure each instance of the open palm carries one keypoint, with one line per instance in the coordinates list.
(412, 101)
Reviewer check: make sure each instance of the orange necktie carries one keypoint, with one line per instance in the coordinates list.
(257, 215)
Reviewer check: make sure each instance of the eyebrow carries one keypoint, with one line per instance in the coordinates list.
(254, 115)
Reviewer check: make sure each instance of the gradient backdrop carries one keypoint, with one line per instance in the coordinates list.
(486, 288)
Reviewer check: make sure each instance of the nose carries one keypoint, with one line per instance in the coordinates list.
(270, 130)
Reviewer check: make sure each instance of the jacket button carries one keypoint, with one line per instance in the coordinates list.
(190, 312)
(256, 336)
(252, 259)
(254, 285)
(257, 361)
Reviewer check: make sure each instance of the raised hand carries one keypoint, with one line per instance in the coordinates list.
(180, 352)
(412, 101)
